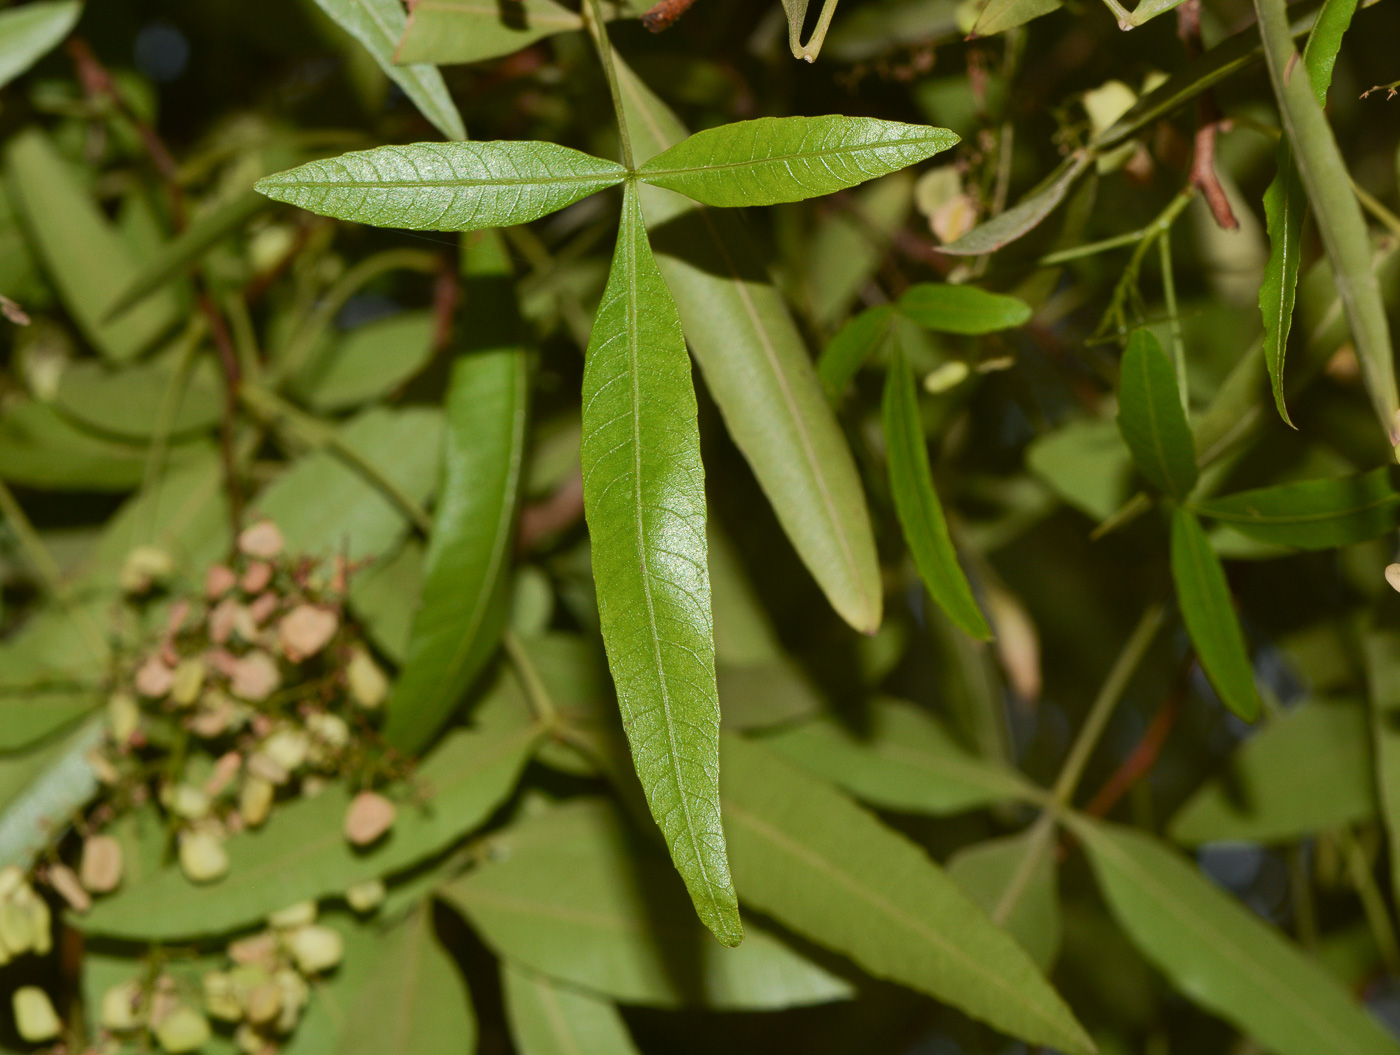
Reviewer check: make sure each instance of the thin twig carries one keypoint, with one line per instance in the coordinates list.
(665, 13)
(598, 30)
(233, 382)
(1144, 755)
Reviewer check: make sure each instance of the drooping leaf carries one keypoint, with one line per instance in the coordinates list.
(301, 852)
(916, 502)
(962, 309)
(85, 257)
(445, 186)
(30, 32)
(1209, 614)
(987, 870)
(547, 1018)
(1000, 15)
(852, 346)
(1307, 771)
(644, 500)
(759, 372)
(781, 159)
(1340, 223)
(573, 895)
(413, 1001)
(903, 759)
(1312, 514)
(379, 25)
(830, 871)
(466, 584)
(1152, 419)
(1024, 216)
(1222, 955)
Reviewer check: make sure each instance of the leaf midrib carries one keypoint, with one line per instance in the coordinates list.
(1297, 518)
(455, 184)
(648, 172)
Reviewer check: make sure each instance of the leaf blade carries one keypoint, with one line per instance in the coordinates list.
(962, 309)
(550, 1019)
(1312, 514)
(30, 32)
(1151, 417)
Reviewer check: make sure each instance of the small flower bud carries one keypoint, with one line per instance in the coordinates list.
(187, 801)
(1392, 575)
(305, 630)
(316, 949)
(144, 568)
(295, 994)
(256, 578)
(35, 1018)
(219, 580)
(188, 680)
(368, 684)
(329, 729)
(11, 879)
(258, 952)
(287, 748)
(255, 800)
(302, 914)
(255, 677)
(101, 866)
(121, 1007)
(370, 815)
(65, 881)
(183, 1029)
(221, 997)
(202, 857)
(123, 716)
(262, 540)
(249, 1041)
(154, 679)
(263, 1003)
(365, 897)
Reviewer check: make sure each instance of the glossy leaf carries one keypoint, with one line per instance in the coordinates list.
(551, 1019)
(413, 1000)
(1307, 771)
(852, 346)
(466, 584)
(445, 186)
(962, 309)
(1024, 216)
(822, 866)
(916, 502)
(571, 894)
(903, 758)
(30, 32)
(1312, 514)
(782, 159)
(301, 852)
(986, 871)
(1151, 417)
(1209, 614)
(1222, 955)
(1339, 220)
(644, 500)
(758, 370)
(84, 255)
(378, 25)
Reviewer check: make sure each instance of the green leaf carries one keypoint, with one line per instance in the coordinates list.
(369, 361)
(758, 370)
(188, 248)
(385, 597)
(301, 852)
(849, 246)
(550, 1019)
(1086, 463)
(466, 584)
(1285, 202)
(1000, 15)
(127, 402)
(445, 186)
(852, 346)
(30, 32)
(378, 25)
(644, 500)
(324, 506)
(334, 998)
(1220, 954)
(902, 759)
(1152, 419)
(1312, 514)
(825, 868)
(781, 159)
(1340, 223)
(916, 502)
(962, 309)
(452, 31)
(1307, 771)
(573, 895)
(1380, 644)
(413, 1000)
(84, 255)
(1025, 215)
(1209, 614)
(796, 11)
(61, 788)
(987, 870)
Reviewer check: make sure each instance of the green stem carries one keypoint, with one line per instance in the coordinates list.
(593, 15)
(165, 415)
(809, 51)
(320, 436)
(1164, 256)
(540, 701)
(1372, 903)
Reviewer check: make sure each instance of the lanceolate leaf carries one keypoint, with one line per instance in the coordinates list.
(1381, 649)
(1339, 221)
(853, 344)
(783, 159)
(962, 309)
(550, 1019)
(644, 500)
(1151, 418)
(452, 31)
(445, 186)
(28, 33)
(987, 870)
(378, 25)
(1285, 202)
(1307, 771)
(827, 869)
(1222, 955)
(915, 500)
(1312, 514)
(758, 370)
(1209, 614)
(413, 1000)
(572, 894)
(1025, 216)
(1000, 15)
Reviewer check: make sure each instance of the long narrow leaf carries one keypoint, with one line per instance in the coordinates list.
(1312, 514)
(644, 500)
(550, 1019)
(28, 33)
(1151, 418)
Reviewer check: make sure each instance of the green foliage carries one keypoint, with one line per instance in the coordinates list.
(1152, 419)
